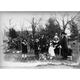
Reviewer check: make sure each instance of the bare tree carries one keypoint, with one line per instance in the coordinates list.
(34, 23)
(72, 20)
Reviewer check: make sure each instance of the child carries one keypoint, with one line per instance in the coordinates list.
(51, 51)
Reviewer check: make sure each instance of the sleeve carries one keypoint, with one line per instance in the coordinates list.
(59, 43)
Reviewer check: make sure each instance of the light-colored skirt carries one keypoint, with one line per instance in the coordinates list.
(51, 51)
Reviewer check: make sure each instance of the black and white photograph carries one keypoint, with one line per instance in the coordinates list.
(40, 39)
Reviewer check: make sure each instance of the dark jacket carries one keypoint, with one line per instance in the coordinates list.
(63, 43)
(24, 48)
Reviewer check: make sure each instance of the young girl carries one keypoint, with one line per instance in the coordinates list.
(51, 51)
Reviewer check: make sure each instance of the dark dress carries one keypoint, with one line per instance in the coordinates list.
(56, 49)
(24, 48)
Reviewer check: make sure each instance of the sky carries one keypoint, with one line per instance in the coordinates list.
(20, 18)
(23, 19)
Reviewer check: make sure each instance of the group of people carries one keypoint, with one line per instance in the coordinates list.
(52, 48)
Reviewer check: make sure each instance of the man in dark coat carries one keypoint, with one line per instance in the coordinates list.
(36, 49)
(64, 48)
(43, 43)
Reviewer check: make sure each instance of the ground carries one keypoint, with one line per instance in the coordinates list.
(14, 60)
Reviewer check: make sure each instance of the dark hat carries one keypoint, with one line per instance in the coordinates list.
(63, 33)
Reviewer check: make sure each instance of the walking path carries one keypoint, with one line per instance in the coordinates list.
(41, 64)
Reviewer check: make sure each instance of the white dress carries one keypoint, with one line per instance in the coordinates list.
(51, 51)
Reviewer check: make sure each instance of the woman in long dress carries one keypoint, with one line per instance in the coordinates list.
(55, 43)
(24, 49)
(51, 51)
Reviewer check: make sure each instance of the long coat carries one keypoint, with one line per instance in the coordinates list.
(24, 48)
(42, 44)
(64, 49)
